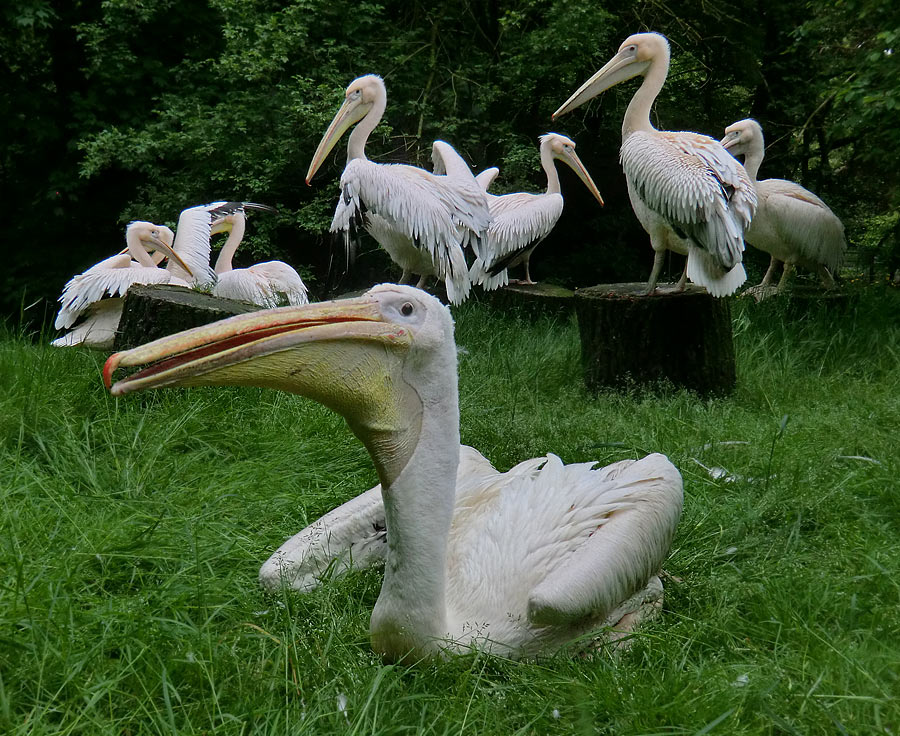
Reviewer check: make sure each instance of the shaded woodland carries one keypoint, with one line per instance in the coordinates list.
(136, 109)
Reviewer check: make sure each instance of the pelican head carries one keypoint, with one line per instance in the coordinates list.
(361, 97)
(563, 149)
(634, 58)
(370, 359)
(155, 237)
(224, 224)
(743, 136)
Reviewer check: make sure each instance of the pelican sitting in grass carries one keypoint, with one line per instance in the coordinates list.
(517, 563)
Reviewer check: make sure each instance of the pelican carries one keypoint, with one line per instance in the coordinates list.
(95, 297)
(423, 220)
(522, 220)
(687, 192)
(265, 283)
(791, 223)
(517, 563)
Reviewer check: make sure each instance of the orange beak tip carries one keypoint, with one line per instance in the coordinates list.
(109, 368)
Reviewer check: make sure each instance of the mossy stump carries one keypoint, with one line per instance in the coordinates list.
(156, 310)
(531, 300)
(632, 339)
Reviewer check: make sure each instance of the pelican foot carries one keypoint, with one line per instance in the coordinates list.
(523, 282)
(637, 610)
(761, 292)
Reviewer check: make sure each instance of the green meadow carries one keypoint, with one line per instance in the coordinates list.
(132, 530)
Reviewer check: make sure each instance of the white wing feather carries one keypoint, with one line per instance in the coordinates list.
(192, 244)
(695, 185)
(802, 221)
(111, 277)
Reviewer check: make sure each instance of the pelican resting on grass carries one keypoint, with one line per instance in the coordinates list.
(520, 221)
(423, 220)
(94, 299)
(791, 223)
(517, 563)
(688, 193)
(265, 284)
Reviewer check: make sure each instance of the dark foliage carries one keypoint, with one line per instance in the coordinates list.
(123, 110)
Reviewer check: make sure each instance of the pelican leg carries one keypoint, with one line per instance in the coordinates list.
(825, 277)
(423, 279)
(405, 277)
(682, 282)
(352, 536)
(527, 271)
(770, 273)
(786, 276)
(658, 257)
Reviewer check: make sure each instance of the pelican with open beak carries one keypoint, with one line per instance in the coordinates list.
(517, 563)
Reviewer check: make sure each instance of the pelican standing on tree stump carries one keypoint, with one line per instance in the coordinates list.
(791, 223)
(517, 563)
(688, 193)
(415, 215)
(520, 221)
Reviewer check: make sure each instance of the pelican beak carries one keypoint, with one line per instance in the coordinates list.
(163, 247)
(221, 225)
(344, 354)
(622, 66)
(575, 164)
(351, 112)
(728, 141)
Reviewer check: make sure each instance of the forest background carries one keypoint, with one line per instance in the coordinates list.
(136, 109)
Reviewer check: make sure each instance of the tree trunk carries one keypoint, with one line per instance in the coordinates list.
(630, 339)
(156, 310)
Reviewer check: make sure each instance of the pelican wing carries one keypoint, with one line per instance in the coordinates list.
(486, 178)
(192, 241)
(696, 185)
(520, 221)
(586, 538)
(284, 280)
(805, 221)
(467, 195)
(111, 277)
(415, 203)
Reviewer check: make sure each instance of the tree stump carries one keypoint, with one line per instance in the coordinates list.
(628, 338)
(155, 310)
(531, 299)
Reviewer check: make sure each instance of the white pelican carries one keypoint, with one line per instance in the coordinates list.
(791, 223)
(265, 284)
(522, 220)
(689, 195)
(423, 220)
(517, 563)
(95, 297)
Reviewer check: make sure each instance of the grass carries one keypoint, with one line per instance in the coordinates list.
(131, 532)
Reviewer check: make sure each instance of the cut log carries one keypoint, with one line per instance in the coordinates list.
(632, 339)
(156, 310)
(530, 299)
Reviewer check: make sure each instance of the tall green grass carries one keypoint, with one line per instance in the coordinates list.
(131, 532)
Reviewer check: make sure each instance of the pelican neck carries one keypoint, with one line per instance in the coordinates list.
(223, 262)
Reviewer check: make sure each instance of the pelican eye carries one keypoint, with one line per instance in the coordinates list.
(406, 309)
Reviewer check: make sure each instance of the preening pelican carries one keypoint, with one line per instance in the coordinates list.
(791, 223)
(520, 221)
(687, 192)
(517, 563)
(265, 284)
(423, 220)
(95, 297)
